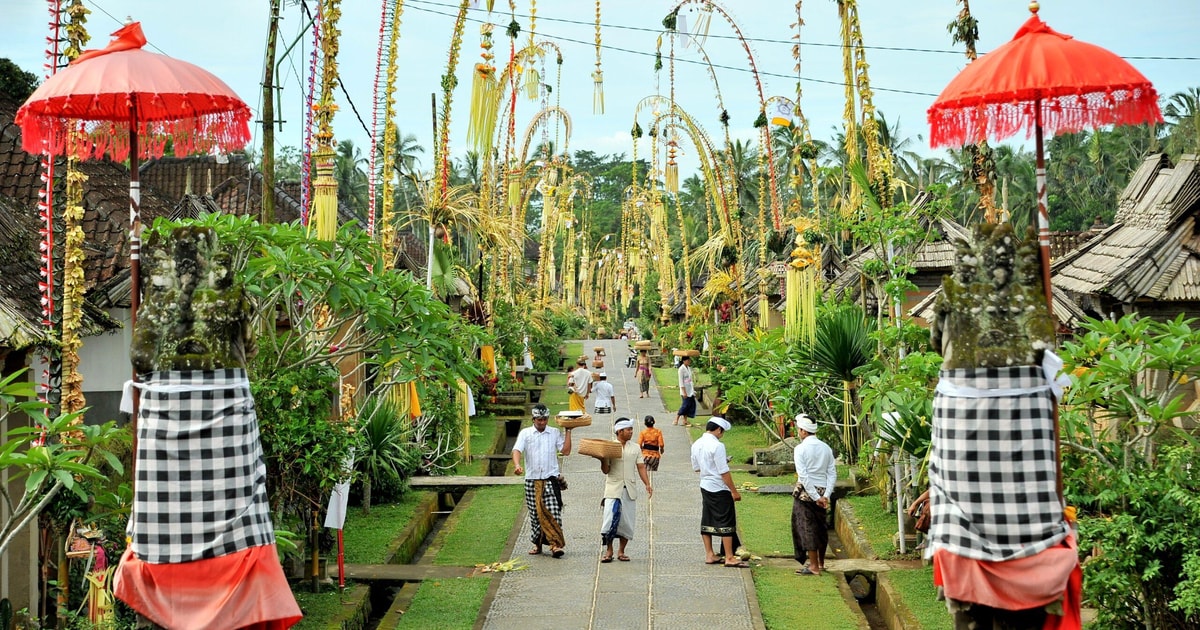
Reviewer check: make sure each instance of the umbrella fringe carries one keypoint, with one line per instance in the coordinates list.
(957, 124)
(223, 131)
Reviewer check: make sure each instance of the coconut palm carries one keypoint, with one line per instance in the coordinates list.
(1182, 113)
(349, 165)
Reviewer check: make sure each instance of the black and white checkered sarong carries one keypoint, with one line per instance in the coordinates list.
(201, 481)
(992, 465)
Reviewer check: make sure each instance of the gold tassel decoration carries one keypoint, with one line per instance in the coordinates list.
(672, 171)
(514, 189)
(323, 213)
(598, 75)
(323, 217)
(485, 97)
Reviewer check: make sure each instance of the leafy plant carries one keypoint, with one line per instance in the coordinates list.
(51, 455)
(1130, 469)
(386, 455)
(842, 345)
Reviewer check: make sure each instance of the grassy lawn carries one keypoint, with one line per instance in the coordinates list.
(916, 589)
(573, 350)
(555, 394)
(791, 601)
(878, 524)
(483, 434)
(446, 604)
(477, 533)
(320, 609)
(367, 536)
(765, 519)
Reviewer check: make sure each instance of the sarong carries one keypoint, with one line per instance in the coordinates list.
(577, 402)
(620, 516)
(651, 462)
(718, 516)
(688, 408)
(543, 499)
(808, 529)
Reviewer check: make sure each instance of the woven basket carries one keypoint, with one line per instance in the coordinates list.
(686, 353)
(645, 344)
(599, 350)
(574, 423)
(600, 449)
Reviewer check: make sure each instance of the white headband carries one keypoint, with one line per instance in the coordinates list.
(721, 422)
(623, 424)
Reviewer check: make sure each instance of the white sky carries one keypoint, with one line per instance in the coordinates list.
(227, 37)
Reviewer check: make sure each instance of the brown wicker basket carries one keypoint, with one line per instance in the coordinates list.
(599, 350)
(645, 344)
(600, 449)
(686, 353)
(574, 422)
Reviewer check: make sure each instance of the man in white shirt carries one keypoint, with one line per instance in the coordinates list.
(579, 384)
(718, 516)
(816, 474)
(619, 506)
(606, 401)
(541, 445)
(687, 391)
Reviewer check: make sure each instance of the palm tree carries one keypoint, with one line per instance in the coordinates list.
(842, 344)
(1182, 113)
(351, 178)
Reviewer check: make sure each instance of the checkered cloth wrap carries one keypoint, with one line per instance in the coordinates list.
(992, 467)
(201, 480)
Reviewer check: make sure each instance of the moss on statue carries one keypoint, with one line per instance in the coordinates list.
(992, 311)
(193, 315)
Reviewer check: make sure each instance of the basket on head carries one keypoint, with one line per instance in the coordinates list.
(568, 422)
(600, 449)
(599, 350)
(644, 344)
(686, 353)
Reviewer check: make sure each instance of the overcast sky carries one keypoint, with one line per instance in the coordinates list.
(910, 54)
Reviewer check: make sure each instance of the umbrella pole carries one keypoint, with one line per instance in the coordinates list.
(1044, 248)
(135, 266)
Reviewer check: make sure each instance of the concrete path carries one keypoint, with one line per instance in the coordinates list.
(666, 584)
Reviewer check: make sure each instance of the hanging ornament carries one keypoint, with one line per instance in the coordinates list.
(672, 173)
(485, 96)
(598, 75)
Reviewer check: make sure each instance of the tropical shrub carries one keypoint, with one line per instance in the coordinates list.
(1130, 468)
(386, 454)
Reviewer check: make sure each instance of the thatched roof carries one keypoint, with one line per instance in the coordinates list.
(1152, 250)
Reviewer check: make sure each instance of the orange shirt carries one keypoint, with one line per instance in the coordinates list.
(654, 437)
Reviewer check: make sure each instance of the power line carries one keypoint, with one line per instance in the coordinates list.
(592, 44)
(768, 40)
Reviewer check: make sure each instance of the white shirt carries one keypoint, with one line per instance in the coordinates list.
(623, 472)
(604, 394)
(541, 451)
(685, 381)
(580, 379)
(815, 467)
(708, 458)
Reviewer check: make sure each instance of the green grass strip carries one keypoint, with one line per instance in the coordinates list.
(915, 588)
(477, 532)
(446, 604)
(788, 600)
(320, 609)
(367, 537)
(878, 524)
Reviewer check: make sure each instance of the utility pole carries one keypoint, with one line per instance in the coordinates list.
(268, 120)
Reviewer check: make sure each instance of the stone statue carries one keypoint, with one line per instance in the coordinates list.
(992, 311)
(194, 316)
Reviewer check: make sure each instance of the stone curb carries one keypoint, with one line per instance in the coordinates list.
(896, 614)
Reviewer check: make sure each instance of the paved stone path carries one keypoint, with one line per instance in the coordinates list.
(666, 584)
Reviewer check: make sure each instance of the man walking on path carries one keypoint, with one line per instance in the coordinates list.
(687, 391)
(620, 492)
(579, 384)
(718, 516)
(606, 397)
(541, 445)
(816, 474)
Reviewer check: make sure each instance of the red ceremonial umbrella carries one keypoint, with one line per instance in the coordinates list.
(1040, 80)
(129, 103)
